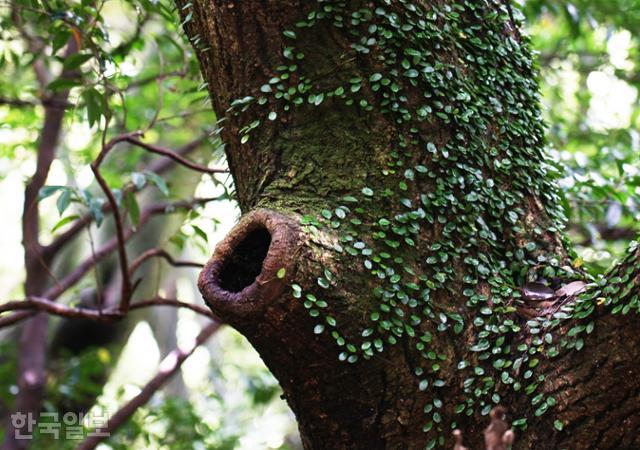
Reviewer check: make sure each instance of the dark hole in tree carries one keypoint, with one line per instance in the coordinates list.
(241, 268)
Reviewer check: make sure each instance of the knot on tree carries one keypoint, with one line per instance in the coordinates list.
(250, 267)
(497, 436)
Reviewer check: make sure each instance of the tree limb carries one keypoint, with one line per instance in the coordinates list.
(158, 252)
(84, 267)
(106, 315)
(31, 356)
(168, 367)
(158, 166)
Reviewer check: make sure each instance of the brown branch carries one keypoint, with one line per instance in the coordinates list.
(80, 271)
(32, 347)
(168, 367)
(25, 308)
(160, 253)
(15, 318)
(159, 167)
(56, 309)
(175, 156)
(51, 102)
(132, 138)
(16, 102)
(127, 287)
(158, 301)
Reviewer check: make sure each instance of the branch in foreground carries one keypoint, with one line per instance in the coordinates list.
(127, 287)
(15, 318)
(160, 253)
(132, 138)
(56, 309)
(175, 157)
(168, 367)
(82, 269)
(158, 167)
(33, 304)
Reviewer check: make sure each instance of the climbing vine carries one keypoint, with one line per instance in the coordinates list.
(464, 69)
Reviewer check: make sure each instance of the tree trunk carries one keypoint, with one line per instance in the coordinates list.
(401, 252)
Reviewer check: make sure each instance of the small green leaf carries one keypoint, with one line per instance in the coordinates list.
(62, 84)
(138, 179)
(48, 191)
(64, 200)
(133, 208)
(75, 61)
(281, 273)
(95, 105)
(62, 222)
(158, 181)
(200, 233)
(367, 191)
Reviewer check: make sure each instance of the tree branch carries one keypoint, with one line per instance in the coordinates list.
(158, 252)
(108, 315)
(20, 103)
(168, 367)
(174, 156)
(159, 301)
(120, 240)
(56, 309)
(82, 269)
(31, 355)
(132, 138)
(158, 166)
(15, 318)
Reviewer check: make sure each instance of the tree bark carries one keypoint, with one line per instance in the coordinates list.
(395, 220)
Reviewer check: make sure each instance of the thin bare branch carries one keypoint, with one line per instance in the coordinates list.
(168, 368)
(23, 309)
(83, 268)
(160, 253)
(15, 318)
(132, 138)
(56, 309)
(158, 301)
(158, 167)
(51, 102)
(175, 156)
(127, 287)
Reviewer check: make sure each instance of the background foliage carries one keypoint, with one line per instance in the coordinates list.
(134, 71)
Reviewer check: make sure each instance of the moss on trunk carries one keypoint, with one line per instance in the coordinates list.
(397, 151)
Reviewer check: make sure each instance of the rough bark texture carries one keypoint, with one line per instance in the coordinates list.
(306, 161)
